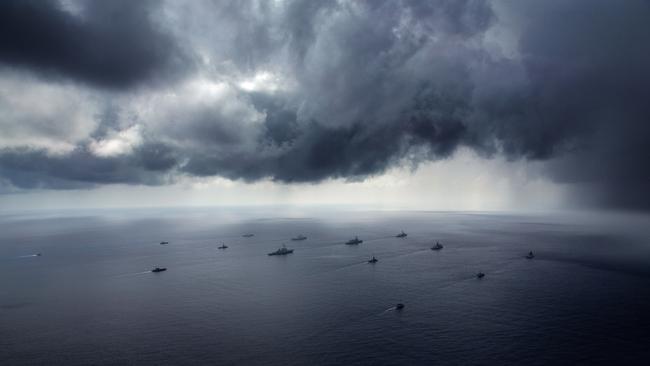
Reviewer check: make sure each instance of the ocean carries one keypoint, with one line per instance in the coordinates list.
(90, 298)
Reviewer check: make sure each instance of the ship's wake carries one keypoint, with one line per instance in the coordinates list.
(392, 308)
(133, 274)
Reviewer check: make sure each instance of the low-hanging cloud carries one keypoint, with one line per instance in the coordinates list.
(113, 44)
(302, 91)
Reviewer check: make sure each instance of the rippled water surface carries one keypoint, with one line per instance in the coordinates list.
(89, 298)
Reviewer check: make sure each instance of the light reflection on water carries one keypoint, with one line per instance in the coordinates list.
(91, 298)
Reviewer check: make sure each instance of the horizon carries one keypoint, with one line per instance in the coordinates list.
(324, 182)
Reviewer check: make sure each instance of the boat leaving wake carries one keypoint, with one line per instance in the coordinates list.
(133, 274)
(392, 308)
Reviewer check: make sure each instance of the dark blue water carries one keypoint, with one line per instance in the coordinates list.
(89, 299)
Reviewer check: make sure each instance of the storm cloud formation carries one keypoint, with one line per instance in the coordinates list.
(109, 43)
(302, 91)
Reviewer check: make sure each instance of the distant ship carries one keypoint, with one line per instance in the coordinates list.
(299, 237)
(38, 254)
(355, 241)
(530, 255)
(282, 251)
(401, 235)
(248, 235)
(399, 306)
(164, 242)
(438, 246)
(373, 260)
(223, 246)
(158, 269)
(480, 275)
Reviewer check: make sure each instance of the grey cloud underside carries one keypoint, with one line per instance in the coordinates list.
(376, 84)
(112, 44)
(28, 168)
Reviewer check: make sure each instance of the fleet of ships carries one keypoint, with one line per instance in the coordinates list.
(354, 241)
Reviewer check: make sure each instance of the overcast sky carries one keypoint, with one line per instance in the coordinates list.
(448, 104)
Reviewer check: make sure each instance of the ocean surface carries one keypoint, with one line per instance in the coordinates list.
(90, 298)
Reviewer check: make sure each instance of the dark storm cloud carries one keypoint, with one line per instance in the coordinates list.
(318, 153)
(113, 44)
(28, 168)
(372, 85)
(588, 64)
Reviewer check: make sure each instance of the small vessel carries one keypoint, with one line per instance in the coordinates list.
(223, 246)
(248, 235)
(164, 242)
(299, 237)
(530, 255)
(399, 306)
(438, 246)
(373, 260)
(480, 275)
(355, 241)
(38, 254)
(282, 251)
(158, 269)
(401, 235)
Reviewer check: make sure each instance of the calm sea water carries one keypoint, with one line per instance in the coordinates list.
(90, 299)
